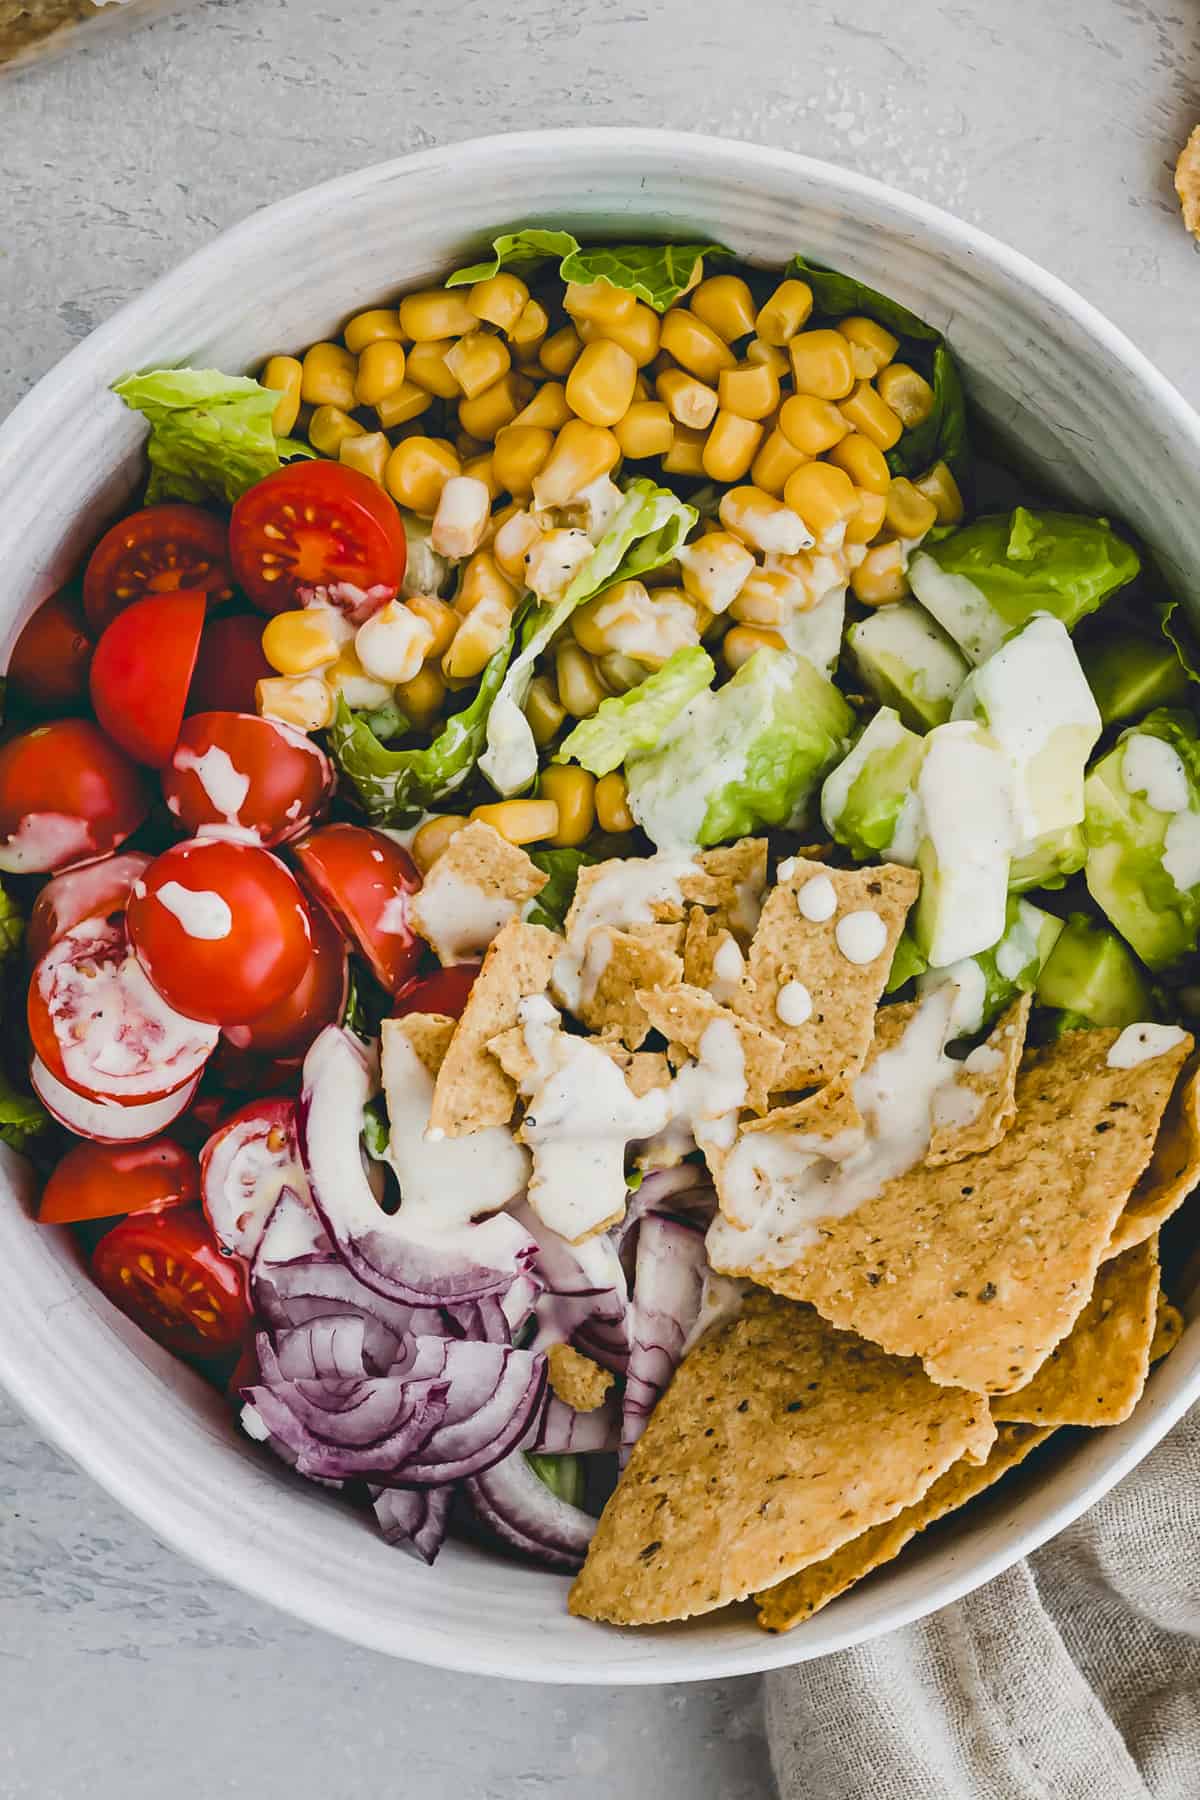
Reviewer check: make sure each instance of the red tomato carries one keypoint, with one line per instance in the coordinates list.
(250, 780)
(66, 796)
(107, 1121)
(229, 665)
(141, 672)
(99, 1026)
(445, 991)
(220, 929)
(101, 1181)
(365, 879)
(243, 1169)
(96, 891)
(163, 1271)
(156, 551)
(50, 660)
(286, 1029)
(318, 525)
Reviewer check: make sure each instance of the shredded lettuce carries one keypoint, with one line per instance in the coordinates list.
(551, 906)
(1177, 629)
(563, 1475)
(907, 963)
(656, 273)
(628, 723)
(211, 435)
(22, 1116)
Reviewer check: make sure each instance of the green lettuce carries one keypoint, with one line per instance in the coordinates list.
(551, 906)
(563, 1475)
(22, 1116)
(1177, 630)
(1129, 673)
(907, 963)
(516, 250)
(656, 273)
(628, 723)
(211, 435)
(375, 1129)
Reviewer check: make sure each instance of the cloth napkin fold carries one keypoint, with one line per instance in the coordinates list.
(1074, 1676)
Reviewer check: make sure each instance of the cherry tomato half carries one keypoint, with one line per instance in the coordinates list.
(251, 780)
(102, 1181)
(243, 1169)
(317, 524)
(318, 999)
(365, 878)
(96, 891)
(142, 670)
(444, 991)
(66, 796)
(156, 551)
(221, 930)
(107, 1121)
(164, 1271)
(229, 665)
(49, 664)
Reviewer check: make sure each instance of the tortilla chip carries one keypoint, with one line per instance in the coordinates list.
(642, 1069)
(1187, 181)
(576, 1379)
(754, 1464)
(802, 1595)
(826, 1113)
(631, 962)
(735, 876)
(478, 883)
(788, 947)
(626, 873)
(429, 1034)
(665, 936)
(684, 1014)
(1168, 1329)
(981, 1267)
(1096, 1374)
(703, 938)
(990, 1074)
(1173, 1171)
(472, 1090)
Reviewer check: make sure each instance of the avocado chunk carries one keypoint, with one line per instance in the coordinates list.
(1093, 975)
(1048, 860)
(906, 660)
(1129, 674)
(869, 802)
(987, 982)
(965, 795)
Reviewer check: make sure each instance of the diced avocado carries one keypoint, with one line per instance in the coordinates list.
(869, 803)
(989, 981)
(1129, 674)
(1048, 860)
(1091, 973)
(907, 661)
(964, 790)
(993, 575)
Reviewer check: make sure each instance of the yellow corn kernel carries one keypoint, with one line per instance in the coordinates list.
(436, 313)
(573, 793)
(380, 372)
(580, 689)
(909, 513)
(751, 390)
(641, 389)
(553, 560)
(305, 701)
(496, 407)
(822, 364)
(867, 519)
(477, 360)
(295, 643)
(690, 402)
(426, 366)
(559, 351)
(878, 346)
(695, 345)
(726, 304)
(823, 496)
(327, 377)
(730, 447)
(880, 577)
(581, 454)
(781, 317)
(598, 300)
(393, 643)
(422, 699)
(513, 539)
(368, 453)
(612, 803)
(812, 425)
(357, 685)
(462, 513)
(528, 331)
(483, 469)
(620, 673)
(870, 414)
(483, 579)
(863, 461)
(543, 711)
(521, 821)
(767, 597)
(441, 619)
(378, 326)
(772, 356)
(686, 455)
(639, 334)
(433, 836)
(329, 427)
(646, 430)
(500, 300)
(907, 392)
(520, 453)
(600, 385)
(938, 484)
(744, 641)
(763, 522)
(548, 409)
(477, 639)
(628, 620)
(407, 403)
(283, 376)
(417, 471)
(777, 458)
(714, 567)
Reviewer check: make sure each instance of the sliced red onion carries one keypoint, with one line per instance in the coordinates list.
(586, 1302)
(667, 1292)
(107, 1121)
(520, 1510)
(414, 1519)
(244, 1167)
(562, 1431)
(685, 1189)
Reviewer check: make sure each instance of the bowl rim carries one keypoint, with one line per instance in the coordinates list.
(83, 1439)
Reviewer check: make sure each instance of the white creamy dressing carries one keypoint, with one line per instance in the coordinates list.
(707, 1094)
(793, 1003)
(1181, 850)
(861, 936)
(46, 840)
(243, 1181)
(1154, 769)
(969, 983)
(964, 793)
(817, 899)
(1140, 1043)
(393, 919)
(203, 913)
(225, 787)
(627, 895)
(721, 1299)
(729, 967)
(817, 632)
(455, 917)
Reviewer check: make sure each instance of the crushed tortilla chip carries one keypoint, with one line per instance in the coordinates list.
(734, 878)
(576, 1379)
(642, 1069)
(1187, 181)
(428, 1034)
(1168, 1329)
(792, 1601)
(1172, 1173)
(623, 871)
(787, 947)
(665, 935)
(982, 1266)
(683, 1015)
(1096, 1374)
(824, 1114)
(990, 1075)
(472, 1091)
(478, 883)
(626, 963)
(752, 1465)
(703, 938)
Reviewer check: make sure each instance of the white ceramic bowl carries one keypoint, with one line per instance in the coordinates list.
(1086, 406)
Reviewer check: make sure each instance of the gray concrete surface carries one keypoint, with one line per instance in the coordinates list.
(124, 1672)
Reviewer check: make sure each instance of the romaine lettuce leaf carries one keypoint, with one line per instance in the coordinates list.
(516, 250)
(628, 723)
(1177, 629)
(211, 435)
(551, 906)
(907, 963)
(22, 1116)
(656, 273)
(562, 1474)
(836, 295)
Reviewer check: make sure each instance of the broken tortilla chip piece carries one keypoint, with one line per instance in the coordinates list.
(642, 1069)
(1168, 1329)
(789, 948)
(1187, 181)
(616, 965)
(731, 884)
(1096, 1374)
(1172, 1172)
(792, 1601)
(712, 956)
(752, 1465)
(472, 1091)
(685, 1014)
(989, 1076)
(478, 883)
(576, 1379)
(429, 1034)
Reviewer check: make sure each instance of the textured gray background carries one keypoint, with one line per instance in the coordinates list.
(1052, 123)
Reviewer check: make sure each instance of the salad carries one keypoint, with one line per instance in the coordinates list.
(603, 923)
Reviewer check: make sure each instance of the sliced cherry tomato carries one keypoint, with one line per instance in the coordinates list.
(221, 930)
(251, 780)
(317, 525)
(156, 551)
(50, 660)
(96, 891)
(318, 999)
(100, 1027)
(164, 1271)
(229, 665)
(141, 672)
(444, 991)
(102, 1181)
(243, 1169)
(106, 1121)
(365, 879)
(66, 796)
